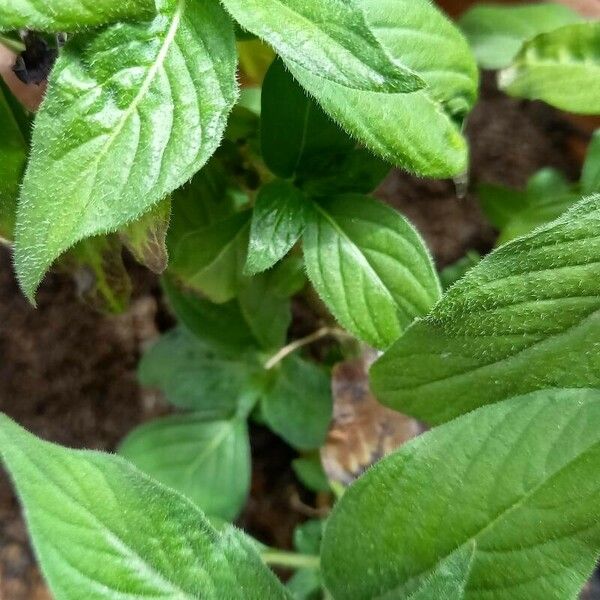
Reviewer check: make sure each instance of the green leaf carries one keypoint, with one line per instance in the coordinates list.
(196, 375)
(131, 113)
(420, 131)
(496, 33)
(102, 530)
(306, 584)
(210, 259)
(298, 404)
(146, 238)
(590, 177)
(561, 68)
(278, 221)
(13, 155)
(100, 275)
(222, 326)
(206, 460)
(309, 471)
(310, 133)
(451, 274)
(547, 196)
(70, 15)
(370, 266)
(527, 317)
(267, 312)
(516, 484)
(330, 39)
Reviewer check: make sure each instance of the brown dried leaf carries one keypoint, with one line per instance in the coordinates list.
(362, 431)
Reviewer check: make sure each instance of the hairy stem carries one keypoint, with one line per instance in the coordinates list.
(290, 560)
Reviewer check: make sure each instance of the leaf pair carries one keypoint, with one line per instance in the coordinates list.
(514, 511)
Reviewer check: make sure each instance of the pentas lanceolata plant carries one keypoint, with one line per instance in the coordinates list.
(247, 199)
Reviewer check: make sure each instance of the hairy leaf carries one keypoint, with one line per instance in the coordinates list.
(496, 33)
(131, 113)
(206, 460)
(298, 403)
(70, 15)
(13, 154)
(370, 266)
(515, 496)
(103, 530)
(194, 374)
(278, 221)
(330, 39)
(561, 68)
(420, 131)
(526, 317)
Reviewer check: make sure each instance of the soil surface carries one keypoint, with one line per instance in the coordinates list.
(68, 374)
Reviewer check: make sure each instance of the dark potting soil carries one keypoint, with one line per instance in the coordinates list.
(68, 374)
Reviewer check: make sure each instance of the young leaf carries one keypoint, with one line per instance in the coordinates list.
(526, 317)
(267, 312)
(310, 133)
(309, 470)
(590, 176)
(561, 68)
(105, 531)
(278, 221)
(210, 259)
(132, 112)
(329, 39)
(370, 266)
(298, 403)
(206, 460)
(13, 154)
(70, 15)
(515, 500)
(146, 238)
(196, 375)
(420, 131)
(496, 33)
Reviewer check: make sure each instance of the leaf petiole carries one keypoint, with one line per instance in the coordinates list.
(290, 560)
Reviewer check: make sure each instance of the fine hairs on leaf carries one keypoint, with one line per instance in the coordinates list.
(131, 113)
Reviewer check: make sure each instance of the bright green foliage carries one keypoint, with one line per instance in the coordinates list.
(307, 584)
(515, 484)
(590, 176)
(547, 196)
(13, 148)
(103, 530)
(329, 39)
(146, 238)
(206, 460)
(420, 131)
(278, 221)
(70, 15)
(131, 113)
(370, 266)
(527, 317)
(561, 67)
(297, 404)
(195, 374)
(496, 33)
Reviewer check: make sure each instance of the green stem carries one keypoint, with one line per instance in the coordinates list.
(290, 560)
(15, 45)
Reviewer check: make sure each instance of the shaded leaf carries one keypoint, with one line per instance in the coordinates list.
(309, 471)
(590, 177)
(131, 113)
(561, 68)
(362, 431)
(206, 460)
(370, 266)
(525, 318)
(152, 541)
(515, 495)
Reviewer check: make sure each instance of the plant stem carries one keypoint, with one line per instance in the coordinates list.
(15, 46)
(305, 341)
(290, 560)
